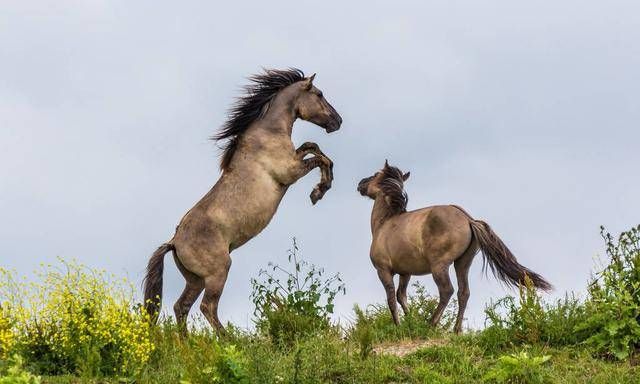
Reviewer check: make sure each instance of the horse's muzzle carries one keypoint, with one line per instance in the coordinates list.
(362, 186)
(335, 122)
(332, 127)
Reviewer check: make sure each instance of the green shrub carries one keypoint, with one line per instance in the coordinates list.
(362, 332)
(425, 374)
(76, 320)
(16, 374)
(375, 323)
(614, 303)
(529, 320)
(519, 369)
(228, 368)
(294, 303)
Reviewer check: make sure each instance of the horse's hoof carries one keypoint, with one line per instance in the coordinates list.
(316, 195)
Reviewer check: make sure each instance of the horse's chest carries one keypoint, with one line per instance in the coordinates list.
(281, 167)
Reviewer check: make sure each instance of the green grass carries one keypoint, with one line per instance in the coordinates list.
(526, 340)
(327, 358)
(502, 353)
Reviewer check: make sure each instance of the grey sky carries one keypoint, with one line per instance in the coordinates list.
(525, 113)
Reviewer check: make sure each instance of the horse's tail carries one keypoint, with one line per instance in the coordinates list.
(501, 261)
(153, 281)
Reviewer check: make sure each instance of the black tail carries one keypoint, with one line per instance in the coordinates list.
(503, 264)
(153, 281)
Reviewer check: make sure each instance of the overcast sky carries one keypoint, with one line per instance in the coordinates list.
(524, 113)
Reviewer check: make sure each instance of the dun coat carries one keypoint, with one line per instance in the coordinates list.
(258, 165)
(429, 240)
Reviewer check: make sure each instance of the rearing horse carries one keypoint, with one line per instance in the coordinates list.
(429, 240)
(258, 164)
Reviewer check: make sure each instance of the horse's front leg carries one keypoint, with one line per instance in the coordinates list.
(320, 160)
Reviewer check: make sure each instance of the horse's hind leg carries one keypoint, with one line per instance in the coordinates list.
(402, 292)
(213, 286)
(445, 289)
(386, 277)
(193, 288)
(462, 266)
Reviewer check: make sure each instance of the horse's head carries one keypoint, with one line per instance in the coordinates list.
(389, 181)
(313, 107)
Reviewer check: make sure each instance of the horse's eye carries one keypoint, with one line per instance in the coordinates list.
(320, 94)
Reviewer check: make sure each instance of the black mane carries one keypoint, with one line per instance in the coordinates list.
(392, 185)
(250, 107)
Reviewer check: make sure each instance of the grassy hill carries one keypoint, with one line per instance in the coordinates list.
(77, 325)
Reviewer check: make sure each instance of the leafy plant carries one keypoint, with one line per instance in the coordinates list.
(529, 320)
(16, 374)
(76, 320)
(231, 366)
(426, 374)
(228, 368)
(519, 368)
(290, 303)
(363, 332)
(614, 305)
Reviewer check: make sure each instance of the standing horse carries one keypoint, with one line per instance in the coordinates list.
(258, 165)
(429, 240)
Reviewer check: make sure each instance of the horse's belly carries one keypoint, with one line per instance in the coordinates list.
(412, 265)
(405, 251)
(258, 212)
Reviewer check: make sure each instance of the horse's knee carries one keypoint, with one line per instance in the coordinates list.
(390, 290)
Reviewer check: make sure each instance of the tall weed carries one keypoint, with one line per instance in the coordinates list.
(294, 302)
(529, 320)
(614, 302)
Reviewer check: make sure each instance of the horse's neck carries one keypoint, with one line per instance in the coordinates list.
(266, 142)
(278, 120)
(379, 214)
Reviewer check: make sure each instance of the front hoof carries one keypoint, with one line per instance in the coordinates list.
(316, 195)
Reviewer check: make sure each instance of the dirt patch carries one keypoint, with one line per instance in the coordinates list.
(405, 347)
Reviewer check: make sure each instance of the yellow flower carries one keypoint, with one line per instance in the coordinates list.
(73, 310)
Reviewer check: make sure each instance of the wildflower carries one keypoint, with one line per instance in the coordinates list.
(72, 312)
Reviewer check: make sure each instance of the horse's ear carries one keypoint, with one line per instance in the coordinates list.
(309, 82)
(406, 176)
(386, 163)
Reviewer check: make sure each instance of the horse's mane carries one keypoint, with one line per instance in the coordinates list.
(392, 185)
(250, 107)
